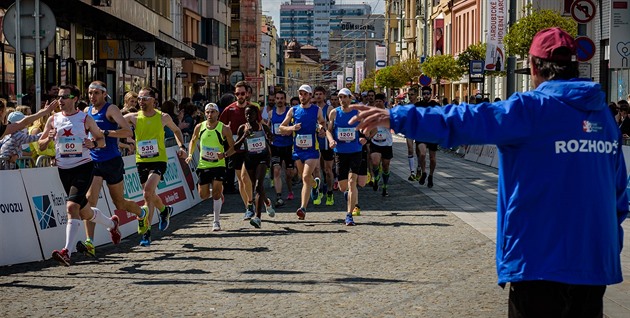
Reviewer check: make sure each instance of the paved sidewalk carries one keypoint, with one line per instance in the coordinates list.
(468, 190)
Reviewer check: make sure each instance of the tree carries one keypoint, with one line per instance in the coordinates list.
(519, 36)
(368, 83)
(386, 77)
(472, 53)
(408, 70)
(442, 67)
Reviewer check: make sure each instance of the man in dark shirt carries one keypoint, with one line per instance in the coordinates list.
(422, 146)
(624, 119)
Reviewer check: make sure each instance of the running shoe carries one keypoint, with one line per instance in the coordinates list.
(318, 201)
(86, 248)
(369, 179)
(430, 181)
(349, 220)
(423, 178)
(216, 226)
(279, 202)
(356, 211)
(330, 199)
(269, 208)
(315, 190)
(63, 257)
(301, 213)
(249, 213)
(375, 184)
(290, 196)
(165, 218)
(143, 223)
(385, 193)
(412, 177)
(255, 222)
(146, 238)
(115, 231)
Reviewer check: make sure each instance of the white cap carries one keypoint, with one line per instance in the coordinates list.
(344, 91)
(306, 88)
(212, 106)
(15, 116)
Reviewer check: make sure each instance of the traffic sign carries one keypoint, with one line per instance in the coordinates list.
(236, 77)
(476, 67)
(585, 48)
(424, 80)
(585, 70)
(583, 11)
(47, 26)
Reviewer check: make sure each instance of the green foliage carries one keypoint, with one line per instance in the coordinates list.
(442, 67)
(472, 53)
(519, 36)
(387, 77)
(368, 83)
(408, 70)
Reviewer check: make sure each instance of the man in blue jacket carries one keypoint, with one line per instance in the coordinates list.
(562, 180)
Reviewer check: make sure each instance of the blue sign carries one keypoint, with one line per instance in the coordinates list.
(349, 79)
(424, 80)
(476, 67)
(585, 48)
(381, 63)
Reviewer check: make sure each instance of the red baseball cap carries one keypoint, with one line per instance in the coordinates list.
(553, 44)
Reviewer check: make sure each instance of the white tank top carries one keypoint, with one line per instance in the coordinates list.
(383, 137)
(69, 150)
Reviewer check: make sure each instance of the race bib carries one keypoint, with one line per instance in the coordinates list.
(256, 145)
(70, 147)
(276, 128)
(209, 153)
(346, 134)
(304, 141)
(148, 148)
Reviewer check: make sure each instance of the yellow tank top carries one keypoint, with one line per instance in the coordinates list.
(150, 138)
(210, 145)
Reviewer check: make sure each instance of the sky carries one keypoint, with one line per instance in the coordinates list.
(272, 7)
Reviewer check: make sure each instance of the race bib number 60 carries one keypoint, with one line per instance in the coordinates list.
(209, 153)
(70, 147)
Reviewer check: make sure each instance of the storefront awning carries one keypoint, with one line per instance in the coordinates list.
(173, 47)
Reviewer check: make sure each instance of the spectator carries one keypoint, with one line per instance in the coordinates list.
(130, 103)
(12, 144)
(444, 101)
(497, 99)
(169, 108)
(26, 110)
(225, 101)
(624, 119)
(614, 110)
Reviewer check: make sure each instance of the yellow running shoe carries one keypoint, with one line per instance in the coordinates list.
(143, 223)
(318, 200)
(356, 211)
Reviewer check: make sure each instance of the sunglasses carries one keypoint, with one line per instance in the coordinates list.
(426, 93)
(240, 94)
(65, 96)
(145, 98)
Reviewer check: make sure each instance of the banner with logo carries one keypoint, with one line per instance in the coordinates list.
(48, 199)
(349, 75)
(381, 56)
(496, 27)
(339, 81)
(18, 239)
(359, 74)
(619, 35)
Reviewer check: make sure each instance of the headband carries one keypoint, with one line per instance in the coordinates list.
(96, 86)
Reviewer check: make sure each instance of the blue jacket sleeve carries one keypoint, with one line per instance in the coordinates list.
(621, 184)
(452, 125)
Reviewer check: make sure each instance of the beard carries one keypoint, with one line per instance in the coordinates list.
(144, 107)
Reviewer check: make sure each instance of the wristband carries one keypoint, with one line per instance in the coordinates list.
(183, 148)
(95, 143)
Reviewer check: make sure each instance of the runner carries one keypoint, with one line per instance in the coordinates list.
(347, 143)
(412, 93)
(213, 137)
(381, 147)
(108, 163)
(281, 149)
(69, 128)
(327, 154)
(233, 116)
(307, 121)
(256, 137)
(151, 157)
(422, 146)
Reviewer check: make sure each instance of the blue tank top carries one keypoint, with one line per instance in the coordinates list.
(304, 139)
(111, 148)
(346, 135)
(278, 139)
(323, 141)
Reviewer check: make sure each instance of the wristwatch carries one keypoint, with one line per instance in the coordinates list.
(106, 133)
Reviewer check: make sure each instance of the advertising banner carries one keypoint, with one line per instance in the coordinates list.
(359, 74)
(339, 81)
(349, 75)
(496, 28)
(619, 34)
(18, 239)
(381, 57)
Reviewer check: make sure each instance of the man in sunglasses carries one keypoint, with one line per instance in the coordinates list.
(69, 128)
(151, 157)
(422, 146)
(233, 116)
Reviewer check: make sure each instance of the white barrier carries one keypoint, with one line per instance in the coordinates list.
(33, 207)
